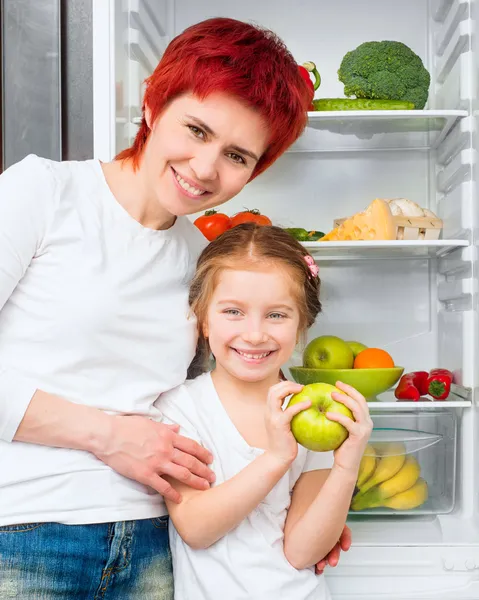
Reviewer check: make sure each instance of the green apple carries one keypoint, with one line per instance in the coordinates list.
(356, 347)
(328, 352)
(310, 427)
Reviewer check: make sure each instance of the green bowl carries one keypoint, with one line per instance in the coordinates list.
(369, 382)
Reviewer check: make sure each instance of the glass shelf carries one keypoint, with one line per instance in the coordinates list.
(383, 249)
(330, 131)
(460, 398)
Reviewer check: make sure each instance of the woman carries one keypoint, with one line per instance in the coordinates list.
(95, 261)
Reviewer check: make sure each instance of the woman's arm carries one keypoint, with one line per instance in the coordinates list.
(27, 205)
(320, 502)
(134, 446)
(202, 518)
(317, 514)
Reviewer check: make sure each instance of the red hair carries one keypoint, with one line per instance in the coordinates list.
(237, 58)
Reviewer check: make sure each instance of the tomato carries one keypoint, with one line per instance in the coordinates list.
(250, 216)
(212, 224)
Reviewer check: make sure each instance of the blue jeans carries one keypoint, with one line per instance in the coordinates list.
(128, 560)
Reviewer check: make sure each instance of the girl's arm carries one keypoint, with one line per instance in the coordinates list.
(320, 501)
(318, 511)
(202, 518)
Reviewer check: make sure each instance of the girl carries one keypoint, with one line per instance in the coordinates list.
(275, 509)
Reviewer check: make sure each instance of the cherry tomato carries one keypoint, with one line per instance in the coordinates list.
(212, 224)
(250, 216)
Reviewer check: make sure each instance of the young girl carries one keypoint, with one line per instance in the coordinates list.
(276, 509)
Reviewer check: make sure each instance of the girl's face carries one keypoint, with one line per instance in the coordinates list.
(200, 153)
(252, 322)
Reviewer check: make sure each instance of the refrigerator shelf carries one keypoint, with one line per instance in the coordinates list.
(388, 401)
(383, 249)
(330, 131)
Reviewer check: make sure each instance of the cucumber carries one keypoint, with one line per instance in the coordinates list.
(360, 104)
(298, 233)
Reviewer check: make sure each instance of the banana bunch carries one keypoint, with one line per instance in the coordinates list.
(389, 477)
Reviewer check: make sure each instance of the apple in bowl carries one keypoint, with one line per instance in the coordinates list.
(328, 352)
(311, 428)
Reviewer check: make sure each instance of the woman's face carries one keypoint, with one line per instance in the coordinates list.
(201, 153)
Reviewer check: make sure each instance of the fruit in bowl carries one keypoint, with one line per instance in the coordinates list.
(373, 358)
(356, 347)
(328, 352)
(311, 428)
(368, 382)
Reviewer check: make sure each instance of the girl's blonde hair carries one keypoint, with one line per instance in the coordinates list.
(250, 246)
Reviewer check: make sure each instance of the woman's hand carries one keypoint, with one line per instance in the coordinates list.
(349, 454)
(281, 442)
(143, 450)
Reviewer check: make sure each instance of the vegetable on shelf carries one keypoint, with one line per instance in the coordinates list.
(412, 386)
(436, 383)
(250, 216)
(439, 383)
(386, 70)
(212, 224)
(298, 233)
(305, 69)
(332, 104)
(303, 235)
(314, 236)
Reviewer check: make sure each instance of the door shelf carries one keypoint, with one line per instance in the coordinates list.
(383, 249)
(330, 131)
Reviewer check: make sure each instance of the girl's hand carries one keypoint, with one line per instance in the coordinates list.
(349, 454)
(281, 442)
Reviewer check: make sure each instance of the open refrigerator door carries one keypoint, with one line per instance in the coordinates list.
(415, 298)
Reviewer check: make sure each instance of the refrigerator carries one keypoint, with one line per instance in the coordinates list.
(416, 298)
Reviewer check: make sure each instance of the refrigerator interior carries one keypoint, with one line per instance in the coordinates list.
(420, 304)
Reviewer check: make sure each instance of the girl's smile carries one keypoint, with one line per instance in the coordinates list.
(250, 336)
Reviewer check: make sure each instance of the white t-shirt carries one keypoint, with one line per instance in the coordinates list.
(249, 562)
(93, 308)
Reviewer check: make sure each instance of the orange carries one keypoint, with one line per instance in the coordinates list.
(373, 358)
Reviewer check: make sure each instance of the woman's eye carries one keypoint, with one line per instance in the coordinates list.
(276, 316)
(197, 131)
(237, 158)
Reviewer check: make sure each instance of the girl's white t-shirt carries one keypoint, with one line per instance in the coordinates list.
(248, 563)
(94, 309)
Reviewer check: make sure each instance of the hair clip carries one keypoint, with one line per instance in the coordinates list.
(312, 266)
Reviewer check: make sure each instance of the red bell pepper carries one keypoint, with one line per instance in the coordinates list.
(412, 386)
(305, 75)
(439, 383)
(420, 381)
(406, 390)
(305, 69)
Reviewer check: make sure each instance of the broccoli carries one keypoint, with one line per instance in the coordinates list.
(386, 71)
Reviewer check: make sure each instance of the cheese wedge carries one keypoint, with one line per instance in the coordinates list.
(375, 223)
